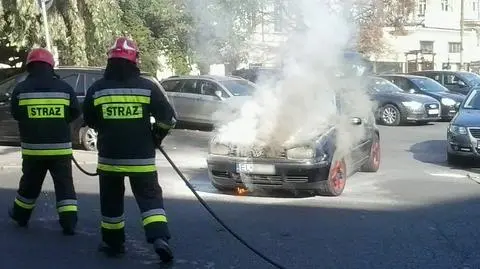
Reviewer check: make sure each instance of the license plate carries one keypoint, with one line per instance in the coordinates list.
(252, 168)
(433, 111)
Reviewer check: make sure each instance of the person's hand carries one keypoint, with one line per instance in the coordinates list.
(159, 134)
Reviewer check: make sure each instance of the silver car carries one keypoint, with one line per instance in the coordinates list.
(198, 99)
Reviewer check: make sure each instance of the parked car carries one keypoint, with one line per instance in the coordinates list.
(258, 73)
(315, 167)
(463, 133)
(394, 106)
(457, 81)
(197, 99)
(80, 78)
(428, 86)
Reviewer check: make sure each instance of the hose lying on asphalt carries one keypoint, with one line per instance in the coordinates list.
(83, 170)
(205, 205)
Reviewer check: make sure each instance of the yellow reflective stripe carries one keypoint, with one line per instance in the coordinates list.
(67, 208)
(25, 102)
(127, 168)
(113, 226)
(121, 99)
(24, 205)
(157, 218)
(47, 152)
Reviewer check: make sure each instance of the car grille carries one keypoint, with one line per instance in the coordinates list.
(474, 131)
(262, 179)
(257, 153)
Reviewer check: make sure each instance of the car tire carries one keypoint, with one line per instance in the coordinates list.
(390, 115)
(336, 180)
(88, 138)
(373, 163)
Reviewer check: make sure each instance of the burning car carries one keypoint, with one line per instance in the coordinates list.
(317, 166)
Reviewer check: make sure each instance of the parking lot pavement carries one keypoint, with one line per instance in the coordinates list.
(416, 212)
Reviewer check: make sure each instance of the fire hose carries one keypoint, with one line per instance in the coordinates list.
(204, 204)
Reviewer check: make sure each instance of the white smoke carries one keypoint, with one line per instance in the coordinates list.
(301, 106)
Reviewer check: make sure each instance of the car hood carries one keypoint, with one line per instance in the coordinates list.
(454, 96)
(467, 118)
(403, 97)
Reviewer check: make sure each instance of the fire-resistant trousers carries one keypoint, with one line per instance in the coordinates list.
(34, 172)
(148, 195)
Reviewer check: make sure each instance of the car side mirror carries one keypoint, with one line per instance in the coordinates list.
(356, 121)
(5, 97)
(412, 91)
(218, 94)
(461, 84)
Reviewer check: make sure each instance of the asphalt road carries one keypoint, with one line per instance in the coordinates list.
(416, 212)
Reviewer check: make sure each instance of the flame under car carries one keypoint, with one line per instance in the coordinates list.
(316, 167)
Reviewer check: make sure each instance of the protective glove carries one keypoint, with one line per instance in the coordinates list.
(159, 134)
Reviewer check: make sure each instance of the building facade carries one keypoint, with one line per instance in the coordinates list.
(432, 39)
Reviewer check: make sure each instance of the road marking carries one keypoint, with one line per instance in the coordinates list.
(454, 175)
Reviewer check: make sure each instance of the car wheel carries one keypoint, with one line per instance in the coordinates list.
(373, 162)
(390, 115)
(337, 178)
(88, 138)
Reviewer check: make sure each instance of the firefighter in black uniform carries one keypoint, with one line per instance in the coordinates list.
(119, 107)
(44, 107)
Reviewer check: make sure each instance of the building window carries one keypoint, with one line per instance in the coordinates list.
(426, 46)
(422, 6)
(446, 5)
(454, 47)
(277, 16)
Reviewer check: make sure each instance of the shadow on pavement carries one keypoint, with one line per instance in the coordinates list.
(298, 236)
(435, 152)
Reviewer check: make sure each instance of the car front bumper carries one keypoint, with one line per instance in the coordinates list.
(283, 174)
(428, 112)
(448, 112)
(465, 145)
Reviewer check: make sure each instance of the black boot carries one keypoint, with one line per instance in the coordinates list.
(111, 250)
(163, 250)
(21, 223)
(68, 231)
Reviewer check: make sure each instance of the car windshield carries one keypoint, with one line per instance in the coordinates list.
(471, 77)
(239, 87)
(473, 100)
(428, 85)
(383, 85)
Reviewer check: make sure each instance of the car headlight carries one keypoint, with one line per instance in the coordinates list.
(457, 129)
(301, 153)
(448, 101)
(218, 149)
(412, 105)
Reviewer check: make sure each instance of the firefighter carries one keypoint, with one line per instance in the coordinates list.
(119, 107)
(44, 107)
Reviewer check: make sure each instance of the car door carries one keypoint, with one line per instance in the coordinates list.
(8, 125)
(209, 102)
(188, 100)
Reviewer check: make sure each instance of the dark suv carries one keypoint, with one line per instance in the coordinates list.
(80, 78)
(456, 81)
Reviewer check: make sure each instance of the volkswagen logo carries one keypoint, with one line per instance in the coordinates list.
(257, 152)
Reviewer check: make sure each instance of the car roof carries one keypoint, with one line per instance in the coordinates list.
(210, 77)
(401, 75)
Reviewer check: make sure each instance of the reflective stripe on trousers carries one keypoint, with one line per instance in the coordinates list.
(126, 165)
(113, 223)
(25, 203)
(122, 95)
(68, 205)
(46, 149)
(44, 98)
(153, 215)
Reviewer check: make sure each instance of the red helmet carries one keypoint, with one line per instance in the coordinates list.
(124, 48)
(41, 55)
